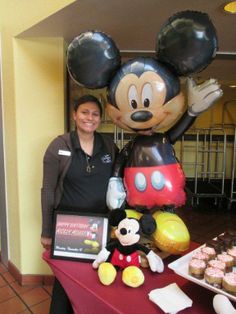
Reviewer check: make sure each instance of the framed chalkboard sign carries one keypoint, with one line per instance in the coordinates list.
(78, 236)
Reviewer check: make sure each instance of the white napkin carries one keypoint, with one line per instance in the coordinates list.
(171, 299)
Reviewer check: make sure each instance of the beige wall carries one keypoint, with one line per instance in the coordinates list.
(33, 112)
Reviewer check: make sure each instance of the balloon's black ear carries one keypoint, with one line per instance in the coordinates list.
(92, 59)
(187, 42)
(148, 224)
(115, 216)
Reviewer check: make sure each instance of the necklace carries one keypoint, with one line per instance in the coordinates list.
(89, 167)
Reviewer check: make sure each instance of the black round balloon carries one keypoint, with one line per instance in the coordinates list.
(187, 42)
(92, 59)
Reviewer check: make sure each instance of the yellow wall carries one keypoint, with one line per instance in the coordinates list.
(33, 112)
(39, 96)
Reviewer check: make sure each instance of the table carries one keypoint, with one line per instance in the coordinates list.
(89, 296)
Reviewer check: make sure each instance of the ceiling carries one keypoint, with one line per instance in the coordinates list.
(134, 25)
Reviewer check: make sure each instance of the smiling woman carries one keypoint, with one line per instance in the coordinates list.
(74, 92)
(77, 167)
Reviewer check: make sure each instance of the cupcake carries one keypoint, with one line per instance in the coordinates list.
(197, 268)
(210, 251)
(214, 276)
(217, 264)
(229, 283)
(228, 260)
(232, 252)
(200, 255)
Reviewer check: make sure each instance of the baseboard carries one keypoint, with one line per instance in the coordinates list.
(33, 280)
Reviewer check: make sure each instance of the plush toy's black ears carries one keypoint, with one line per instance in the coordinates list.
(148, 224)
(115, 217)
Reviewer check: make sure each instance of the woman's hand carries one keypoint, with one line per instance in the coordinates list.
(46, 243)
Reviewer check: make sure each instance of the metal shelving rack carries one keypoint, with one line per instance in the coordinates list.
(207, 158)
(231, 127)
(232, 197)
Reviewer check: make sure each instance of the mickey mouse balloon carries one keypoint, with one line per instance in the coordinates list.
(145, 97)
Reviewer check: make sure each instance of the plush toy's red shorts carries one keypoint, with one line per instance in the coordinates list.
(123, 261)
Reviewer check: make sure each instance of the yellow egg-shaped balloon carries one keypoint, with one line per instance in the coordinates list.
(106, 273)
(171, 235)
(133, 214)
(132, 276)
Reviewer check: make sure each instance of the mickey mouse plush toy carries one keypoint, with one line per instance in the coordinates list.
(144, 97)
(123, 252)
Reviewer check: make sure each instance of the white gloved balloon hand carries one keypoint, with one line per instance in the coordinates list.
(115, 193)
(155, 262)
(222, 305)
(202, 96)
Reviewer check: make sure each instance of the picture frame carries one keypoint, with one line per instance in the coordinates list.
(78, 236)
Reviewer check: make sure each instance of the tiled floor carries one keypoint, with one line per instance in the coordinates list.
(204, 222)
(16, 299)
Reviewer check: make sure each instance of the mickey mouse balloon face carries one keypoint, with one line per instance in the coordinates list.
(144, 95)
(145, 92)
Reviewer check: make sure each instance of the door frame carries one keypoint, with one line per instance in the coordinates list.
(3, 205)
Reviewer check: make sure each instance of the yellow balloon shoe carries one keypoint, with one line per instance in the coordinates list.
(107, 273)
(132, 276)
(171, 235)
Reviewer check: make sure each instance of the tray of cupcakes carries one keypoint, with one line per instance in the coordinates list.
(212, 265)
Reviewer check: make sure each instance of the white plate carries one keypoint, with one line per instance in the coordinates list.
(180, 267)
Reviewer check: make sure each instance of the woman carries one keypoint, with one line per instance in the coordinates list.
(76, 170)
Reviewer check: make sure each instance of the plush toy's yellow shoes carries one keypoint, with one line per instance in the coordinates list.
(132, 276)
(106, 273)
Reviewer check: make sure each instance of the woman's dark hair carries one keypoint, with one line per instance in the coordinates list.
(88, 98)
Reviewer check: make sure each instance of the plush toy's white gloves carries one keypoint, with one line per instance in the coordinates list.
(203, 96)
(222, 305)
(155, 262)
(102, 257)
(115, 193)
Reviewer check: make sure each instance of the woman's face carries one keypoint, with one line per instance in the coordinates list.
(87, 117)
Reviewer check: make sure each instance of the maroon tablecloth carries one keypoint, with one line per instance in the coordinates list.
(89, 296)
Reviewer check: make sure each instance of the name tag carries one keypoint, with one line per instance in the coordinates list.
(64, 152)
